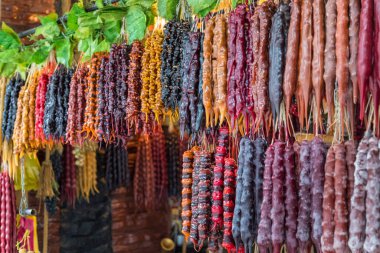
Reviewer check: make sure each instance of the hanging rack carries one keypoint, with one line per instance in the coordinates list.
(61, 20)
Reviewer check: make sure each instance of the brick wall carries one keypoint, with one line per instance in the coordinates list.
(134, 230)
(87, 227)
(22, 15)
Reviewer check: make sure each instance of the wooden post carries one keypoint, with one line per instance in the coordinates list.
(66, 5)
(62, 6)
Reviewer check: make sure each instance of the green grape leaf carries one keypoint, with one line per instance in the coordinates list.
(202, 7)
(103, 46)
(150, 17)
(82, 33)
(91, 21)
(73, 15)
(92, 44)
(206, 11)
(111, 30)
(99, 4)
(8, 55)
(7, 69)
(48, 30)
(146, 4)
(136, 23)
(167, 8)
(11, 32)
(83, 45)
(51, 18)
(23, 57)
(21, 69)
(64, 51)
(234, 3)
(112, 14)
(41, 54)
(7, 41)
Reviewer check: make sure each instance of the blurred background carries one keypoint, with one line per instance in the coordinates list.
(22, 15)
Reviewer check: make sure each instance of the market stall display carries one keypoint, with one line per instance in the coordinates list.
(266, 95)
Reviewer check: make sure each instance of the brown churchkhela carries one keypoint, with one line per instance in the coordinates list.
(291, 65)
(342, 54)
(376, 72)
(144, 181)
(335, 221)
(187, 180)
(265, 12)
(330, 57)
(305, 58)
(214, 64)
(350, 157)
(328, 224)
(318, 59)
(221, 69)
(341, 212)
(207, 71)
(364, 63)
(134, 87)
(354, 14)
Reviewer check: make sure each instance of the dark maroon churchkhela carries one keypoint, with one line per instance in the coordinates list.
(340, 209)
(278, 197)
(372, 204)
(291, 199)
(318, 158)
(328, 223)
(305, 184)
(264, 237)
(358, 199)
(365, 53)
